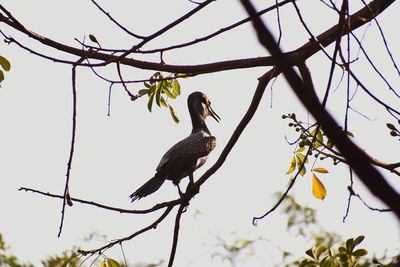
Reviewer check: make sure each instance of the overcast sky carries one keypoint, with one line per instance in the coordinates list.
(116, 154)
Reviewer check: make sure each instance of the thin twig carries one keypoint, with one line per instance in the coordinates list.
(102, 206)
(176, 234)
(120, 240)
(116, 22)
(66, 196)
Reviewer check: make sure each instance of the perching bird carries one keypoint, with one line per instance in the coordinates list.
(189, 154)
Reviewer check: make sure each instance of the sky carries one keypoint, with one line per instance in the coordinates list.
(116, 154)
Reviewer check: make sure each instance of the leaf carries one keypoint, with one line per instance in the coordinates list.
(144, 92)
(109, 263)
(320, 250)
(330, 143)
(301, 149)
(150, 102)
(320, 170)
(349, 244)
(302, 171)
(176, 90)
(158, 93)
(1, 76)
(5, 64)
(350, 134)
(292, 166)
(360, 252)
(309, 253)
(168, 93)
(147, 85)
(173, 114)
(163, 102)
(358, 240)
(319, 139)
(301, 157)
(318, 189)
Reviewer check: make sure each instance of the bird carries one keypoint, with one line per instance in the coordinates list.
(189, 154)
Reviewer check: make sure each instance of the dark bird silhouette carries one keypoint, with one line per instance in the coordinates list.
(187, 155)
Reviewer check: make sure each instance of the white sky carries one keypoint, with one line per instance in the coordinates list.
(114, 155)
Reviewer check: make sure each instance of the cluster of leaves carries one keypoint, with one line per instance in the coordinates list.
(393, 130)
(6, 66)
(325, 256)
(159, 89)
(312, 141)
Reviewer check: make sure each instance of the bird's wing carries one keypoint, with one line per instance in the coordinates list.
(194, 146)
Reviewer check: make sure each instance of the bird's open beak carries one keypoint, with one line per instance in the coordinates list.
(213, 114)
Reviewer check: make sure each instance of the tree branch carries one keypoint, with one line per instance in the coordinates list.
(356, 157)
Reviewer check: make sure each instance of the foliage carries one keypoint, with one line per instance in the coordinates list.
(325, 256)
(7, 259)
(312, 140)
(6, 65)
(159, 89)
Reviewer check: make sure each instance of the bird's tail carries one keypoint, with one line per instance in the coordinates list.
(148, 188)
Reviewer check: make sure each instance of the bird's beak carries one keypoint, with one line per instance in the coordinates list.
(213, 114)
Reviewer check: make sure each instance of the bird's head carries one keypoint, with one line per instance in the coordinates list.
(200, 107)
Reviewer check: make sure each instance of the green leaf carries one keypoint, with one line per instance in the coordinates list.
(358, 240)
(1, 76)
(349, 244)
(303, 170)
(163, 102)
(147, 85)
(173, 114)
(144, 92)
(329, 144)
(301, 149)
(150, 102)
(320, 250)
(158, 93)
(350, 134)
(301, 157)
(310, 253)
(176, 90)
(5, 64)
(109, 263)
(360, 252)
(168, 93)
(319, 139)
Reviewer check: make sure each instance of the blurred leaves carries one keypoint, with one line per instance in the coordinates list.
(159, 89)
(326, 256)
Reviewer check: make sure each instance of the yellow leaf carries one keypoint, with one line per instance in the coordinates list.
(318, 189)
(292, 166)
(320, 170)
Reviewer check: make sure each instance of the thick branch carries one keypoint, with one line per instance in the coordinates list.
(358, 19)
(375, 182)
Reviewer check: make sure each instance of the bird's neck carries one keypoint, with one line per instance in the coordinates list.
(199, 125)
